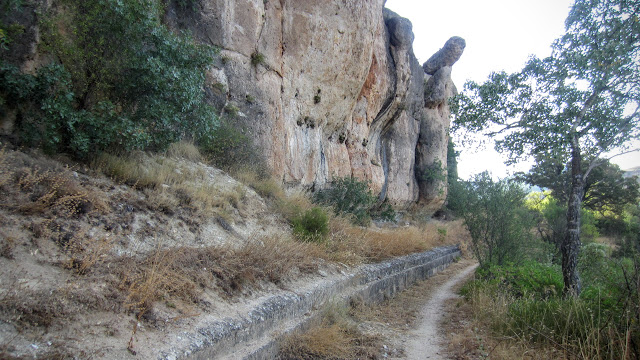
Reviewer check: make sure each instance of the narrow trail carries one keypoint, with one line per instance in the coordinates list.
(426, 341)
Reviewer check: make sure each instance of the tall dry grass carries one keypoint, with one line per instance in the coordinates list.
(336, 336)
(353, 244)
(58, 203)
(170, 183)
(567, 328)
(182, 273)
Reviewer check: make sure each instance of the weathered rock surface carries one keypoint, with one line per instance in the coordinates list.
(334, 96)
(325, 88)
(431, 150)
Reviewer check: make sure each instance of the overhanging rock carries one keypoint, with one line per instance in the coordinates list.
(254, 335)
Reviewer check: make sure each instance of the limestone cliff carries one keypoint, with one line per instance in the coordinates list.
(335, 90)
(325, 88)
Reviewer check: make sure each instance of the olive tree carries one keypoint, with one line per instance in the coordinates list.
(582, 101)
(497, 220)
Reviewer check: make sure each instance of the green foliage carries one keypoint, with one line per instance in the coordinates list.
(550, 217)
(8, 34)
(312, 225)
(257, 58)
(569, 319)
(123, 82)
(497, 220)
(551, 220)
(629, 242)
(529, 280)
(188, 4)
(606, 280)
(452, 162)
(455, 194)
(383, 212)
(232, 109)
(348, 196)
(433, 173)
(606, 190)
(228, 147)
(579, 103)
(48, 116)
(526, 302)
(8, 5)
(456, 197)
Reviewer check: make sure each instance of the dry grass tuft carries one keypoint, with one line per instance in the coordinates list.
(59, 203)
(265, 186)
(182, 273)
(140, 170)
(58, 193)
(353, 245)
(293, 204)
(185, 150)
(336, 337)
(5, 171)
(169, 184)
(86, 253)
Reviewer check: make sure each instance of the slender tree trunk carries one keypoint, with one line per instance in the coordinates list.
(571, 244)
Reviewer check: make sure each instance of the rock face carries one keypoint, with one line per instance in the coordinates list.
(336, 91)
(325, 88)
(431, 150)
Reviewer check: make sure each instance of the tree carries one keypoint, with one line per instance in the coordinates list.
(581, 102)
(495, 215)
(606, 190)
(118, 80)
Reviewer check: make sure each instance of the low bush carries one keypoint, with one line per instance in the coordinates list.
(257, 58)
(529, 280)
(312, 225)
(228, 147)
(348, 196)
(497, 219)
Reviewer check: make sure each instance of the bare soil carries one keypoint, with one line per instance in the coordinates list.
(407, 321)
(93, 267)
(427, 341)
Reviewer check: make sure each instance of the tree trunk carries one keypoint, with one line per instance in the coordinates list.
(571, 244)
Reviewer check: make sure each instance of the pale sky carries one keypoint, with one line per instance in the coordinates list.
(500, 35)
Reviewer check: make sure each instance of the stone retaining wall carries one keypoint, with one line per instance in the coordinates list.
(254, 335)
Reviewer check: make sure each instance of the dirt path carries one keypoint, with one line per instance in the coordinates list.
(425, 342)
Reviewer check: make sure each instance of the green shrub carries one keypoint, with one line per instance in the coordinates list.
(229, 148)
(348, 196)
(433, 173)
(517, 301)
(383, 212)
(122, 81)
(312, 225)
(257, 58)
(551, 219)
(529, 280)
(497, 220)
